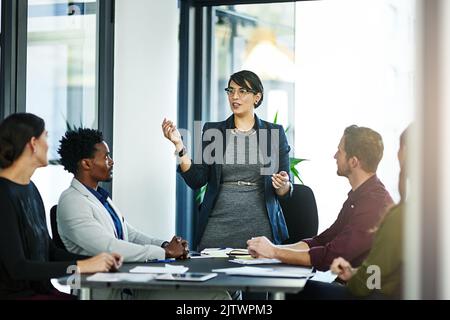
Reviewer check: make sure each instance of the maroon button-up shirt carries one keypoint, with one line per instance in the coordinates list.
(349, 236)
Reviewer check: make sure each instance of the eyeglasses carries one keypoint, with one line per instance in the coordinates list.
(241, 91)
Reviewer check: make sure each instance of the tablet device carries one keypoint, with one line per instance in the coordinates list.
(188, 276)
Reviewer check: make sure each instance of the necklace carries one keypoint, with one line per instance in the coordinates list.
(243, 131)
(248, 132)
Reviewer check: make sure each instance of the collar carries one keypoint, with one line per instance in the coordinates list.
(229, 123)
(364, 187)
(101, 194)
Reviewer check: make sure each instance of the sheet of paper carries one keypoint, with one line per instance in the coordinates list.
(326, 276)
(216, 252)
(114, 277)
(255, 261)
(166, 269)
(283, 272)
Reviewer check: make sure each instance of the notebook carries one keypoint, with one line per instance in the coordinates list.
(238, 252)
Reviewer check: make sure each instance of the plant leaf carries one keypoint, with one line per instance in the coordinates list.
(296, 161)
(276, 118)
(293, 163)
(295, 172)
(54, 162)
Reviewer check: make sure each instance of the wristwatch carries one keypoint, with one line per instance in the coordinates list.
(181, 153)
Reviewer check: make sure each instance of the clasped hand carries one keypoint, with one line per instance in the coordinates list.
(177, 248)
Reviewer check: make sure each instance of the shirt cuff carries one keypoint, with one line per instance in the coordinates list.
(159, 253)
(164, 244)
(289, 193)
(317, 255)
(311, 242)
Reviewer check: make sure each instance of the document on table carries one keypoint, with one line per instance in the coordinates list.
(282, 272)
(256, 261)
(114, 277)
(166, 269)
(216, 252)
(326, 276)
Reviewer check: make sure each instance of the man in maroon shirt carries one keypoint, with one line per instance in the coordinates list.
(359, 152)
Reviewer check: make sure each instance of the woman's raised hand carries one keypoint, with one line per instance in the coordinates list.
(171, 132)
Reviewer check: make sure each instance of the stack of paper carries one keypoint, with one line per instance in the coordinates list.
(114, 277)
(282, 272)
(166, 269)
(255, 261)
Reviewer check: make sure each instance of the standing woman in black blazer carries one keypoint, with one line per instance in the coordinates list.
(245, 175)
(28, 257)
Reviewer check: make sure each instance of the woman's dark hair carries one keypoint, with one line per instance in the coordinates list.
(15, 132)
(250, 81)
(77, 145)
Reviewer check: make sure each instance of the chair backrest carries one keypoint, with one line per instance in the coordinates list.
(56, 238)
(300, 212)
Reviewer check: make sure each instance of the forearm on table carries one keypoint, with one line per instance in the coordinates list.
(293, 256)
(296, 246)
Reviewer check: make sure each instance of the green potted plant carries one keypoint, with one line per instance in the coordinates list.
(292, 161)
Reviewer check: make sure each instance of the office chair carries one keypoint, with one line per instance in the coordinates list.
(300, 212)
(56, 238)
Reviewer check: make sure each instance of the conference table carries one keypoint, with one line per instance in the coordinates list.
(277, 286)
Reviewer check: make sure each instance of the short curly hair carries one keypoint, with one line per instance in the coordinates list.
(76, 145)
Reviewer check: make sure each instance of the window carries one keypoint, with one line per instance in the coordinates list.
(61, 65)
(61, 78)
(259, 38)
(1, 71)
(354, 65)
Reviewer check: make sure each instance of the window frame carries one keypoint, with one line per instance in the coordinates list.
(13, 59)
(14, 63)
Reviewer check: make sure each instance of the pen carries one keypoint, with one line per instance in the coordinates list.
(161, 260)
(194, 254)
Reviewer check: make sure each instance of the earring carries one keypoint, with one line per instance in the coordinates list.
(34, 151)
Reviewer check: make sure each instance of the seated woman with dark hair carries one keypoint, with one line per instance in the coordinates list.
(28, 257)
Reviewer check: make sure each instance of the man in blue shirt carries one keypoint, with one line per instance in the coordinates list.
(88, 221)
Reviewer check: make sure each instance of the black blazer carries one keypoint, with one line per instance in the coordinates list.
(206, 173)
